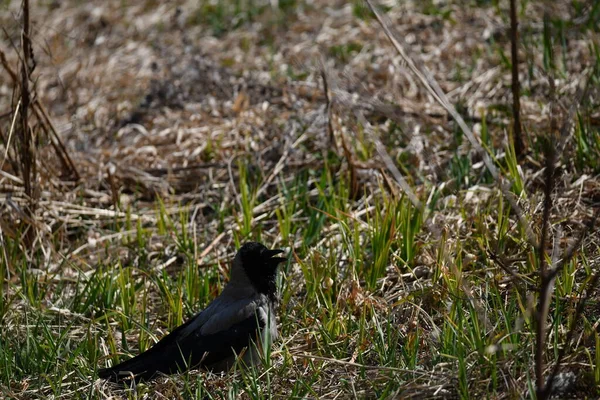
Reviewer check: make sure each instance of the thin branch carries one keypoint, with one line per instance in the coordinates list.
(546, 280)
(57, 143)
(28, 164)
(516, 87)
(7, 67)
(328, 106)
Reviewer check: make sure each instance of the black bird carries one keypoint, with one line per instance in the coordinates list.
(238, 321)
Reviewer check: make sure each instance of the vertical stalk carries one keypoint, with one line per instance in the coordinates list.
(516, 87)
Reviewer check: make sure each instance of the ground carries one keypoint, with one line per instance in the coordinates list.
(191, 127)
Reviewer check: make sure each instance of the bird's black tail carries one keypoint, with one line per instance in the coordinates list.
(142, 367)
(135, 369)
(165, 357)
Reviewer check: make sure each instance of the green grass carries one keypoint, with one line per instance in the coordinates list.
(465, 325)
(230, 15)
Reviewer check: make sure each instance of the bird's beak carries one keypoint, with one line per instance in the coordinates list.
(271, 253)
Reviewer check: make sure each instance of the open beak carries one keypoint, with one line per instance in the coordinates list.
(271, 253)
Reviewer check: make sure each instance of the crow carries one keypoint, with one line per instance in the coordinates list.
(238, 322)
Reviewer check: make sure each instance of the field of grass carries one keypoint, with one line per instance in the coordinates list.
(427, 258)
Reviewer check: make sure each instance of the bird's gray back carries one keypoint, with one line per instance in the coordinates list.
(235, 304)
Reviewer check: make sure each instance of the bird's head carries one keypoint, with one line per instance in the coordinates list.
(259, 265)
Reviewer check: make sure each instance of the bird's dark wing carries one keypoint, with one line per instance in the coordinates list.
(183, 349)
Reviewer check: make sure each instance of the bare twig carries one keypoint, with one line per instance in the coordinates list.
(114, 189)
(502, 264)
(354, 187)
(42, 115)
(28, 163)
(7, 67)
(514, 40)
(57, 143)
(328, 107)
(8, 140)
(546, 280)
